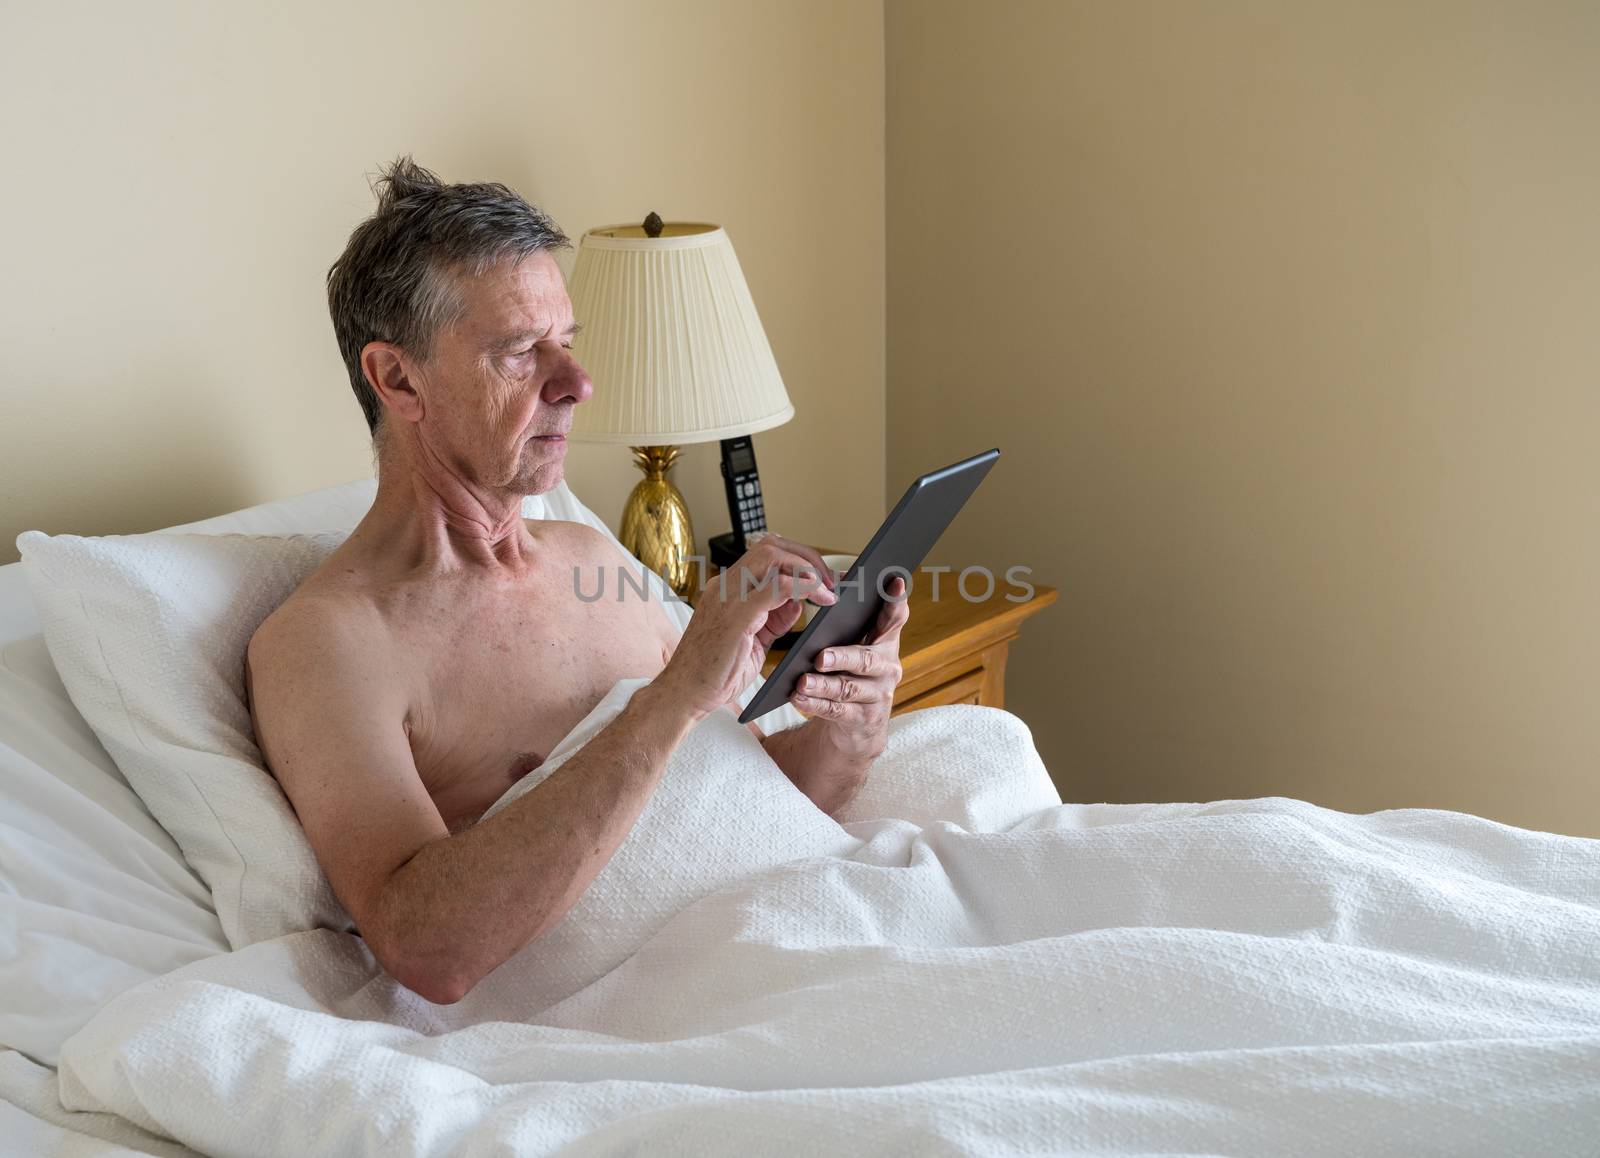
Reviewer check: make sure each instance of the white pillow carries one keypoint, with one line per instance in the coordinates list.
(148, 634)
(335, 508)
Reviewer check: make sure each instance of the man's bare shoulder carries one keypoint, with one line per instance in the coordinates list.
(599, 566)
(581, 538)
(579, 544)
(323, 617)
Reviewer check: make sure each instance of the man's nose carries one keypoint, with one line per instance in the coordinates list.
(569, 381)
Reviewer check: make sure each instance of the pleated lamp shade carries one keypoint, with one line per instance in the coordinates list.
(670, 339)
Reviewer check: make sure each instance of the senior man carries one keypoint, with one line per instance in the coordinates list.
(442, 650)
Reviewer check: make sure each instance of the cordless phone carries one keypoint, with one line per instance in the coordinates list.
(745, 509)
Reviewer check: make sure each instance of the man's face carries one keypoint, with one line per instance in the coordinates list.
(502, 376)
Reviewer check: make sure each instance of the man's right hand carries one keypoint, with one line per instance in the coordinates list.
(737, 615)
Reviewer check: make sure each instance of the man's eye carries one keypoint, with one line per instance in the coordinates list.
(533, 349)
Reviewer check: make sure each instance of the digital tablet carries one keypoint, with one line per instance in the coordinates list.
(929, 506)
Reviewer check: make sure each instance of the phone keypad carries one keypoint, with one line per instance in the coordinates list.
(753, 518)
(752, 511)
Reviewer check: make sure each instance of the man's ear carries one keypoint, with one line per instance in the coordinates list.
(388, 372)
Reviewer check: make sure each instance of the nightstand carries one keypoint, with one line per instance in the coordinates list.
(953, 651)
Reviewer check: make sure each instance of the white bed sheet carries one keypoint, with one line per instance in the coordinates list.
(33, 1121)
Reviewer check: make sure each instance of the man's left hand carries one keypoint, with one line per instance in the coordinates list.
(855, 703)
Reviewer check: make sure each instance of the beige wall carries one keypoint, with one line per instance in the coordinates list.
(178, 177)
(1287, 320)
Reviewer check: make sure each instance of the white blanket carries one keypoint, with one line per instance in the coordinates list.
(1245, 977)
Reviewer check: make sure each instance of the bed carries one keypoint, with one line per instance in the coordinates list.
(964, 964)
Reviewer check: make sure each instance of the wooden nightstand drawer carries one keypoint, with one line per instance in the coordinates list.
(964, 689)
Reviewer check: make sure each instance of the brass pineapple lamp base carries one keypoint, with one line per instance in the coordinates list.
(655, 520)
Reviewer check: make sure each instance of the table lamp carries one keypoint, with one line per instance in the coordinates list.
(676, 352)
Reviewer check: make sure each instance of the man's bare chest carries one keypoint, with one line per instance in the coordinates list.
(493, 686)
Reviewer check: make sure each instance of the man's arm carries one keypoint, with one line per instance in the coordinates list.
(439, 911)
(826, 776)
(829, 777)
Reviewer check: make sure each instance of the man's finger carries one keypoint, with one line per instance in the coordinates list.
(775, 558)
(781, 580)
(779, 620)
(860, 659)
(863, 719)
(855, 658)
(810, 554)
(890, 622)
(827, 709)
(841, 688)
(891, 619)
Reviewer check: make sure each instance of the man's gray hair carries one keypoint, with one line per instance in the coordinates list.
(397, 279)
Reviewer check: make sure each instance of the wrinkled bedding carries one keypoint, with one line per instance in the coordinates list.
(992, 971)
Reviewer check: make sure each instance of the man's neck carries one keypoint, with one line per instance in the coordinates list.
(428, 520)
